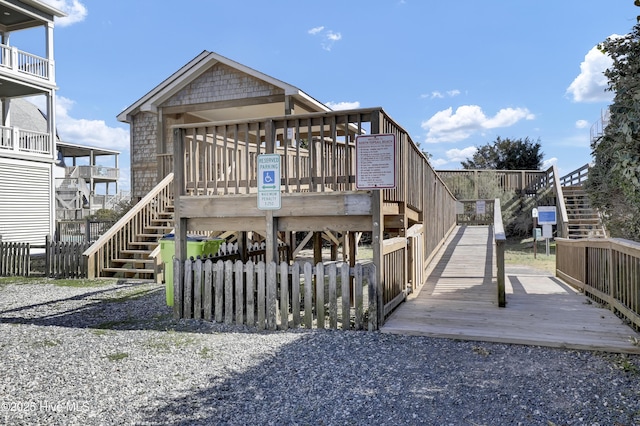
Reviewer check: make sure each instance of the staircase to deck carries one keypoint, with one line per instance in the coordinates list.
(124, 251)
(584, 220)
(135, 260)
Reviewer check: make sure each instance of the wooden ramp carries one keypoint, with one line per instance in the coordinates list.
(459, 301)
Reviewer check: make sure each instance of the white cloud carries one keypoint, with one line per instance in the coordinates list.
(438, 162)
(447, 126)
(338, 106)
(316, 30)
(333, 36)
(550, 162)
(439, 95)
(590, 84)
(328, 37)
(459, 155)
(88, 132)
(75, 10)
(582, 124)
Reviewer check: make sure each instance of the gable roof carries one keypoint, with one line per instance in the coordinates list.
(195, 68)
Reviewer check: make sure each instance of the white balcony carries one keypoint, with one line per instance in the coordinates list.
(15, 140)
(23, 64)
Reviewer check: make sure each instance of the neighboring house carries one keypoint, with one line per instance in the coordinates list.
(88, 182)
(27, 155)
(208, 88)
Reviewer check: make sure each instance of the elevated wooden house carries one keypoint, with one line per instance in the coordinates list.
(195, 141)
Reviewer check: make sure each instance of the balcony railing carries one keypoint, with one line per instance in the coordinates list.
(21, 62)
(95, 172)
(25, 141)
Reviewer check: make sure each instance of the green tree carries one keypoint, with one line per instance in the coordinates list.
(613, 184)
(507, 154)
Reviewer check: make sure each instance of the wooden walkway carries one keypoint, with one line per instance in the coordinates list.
(459, 301)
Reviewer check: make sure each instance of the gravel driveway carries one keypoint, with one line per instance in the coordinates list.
(111, 354)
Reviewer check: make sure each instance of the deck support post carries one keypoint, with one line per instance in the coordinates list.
(180, 234)
(377, 232)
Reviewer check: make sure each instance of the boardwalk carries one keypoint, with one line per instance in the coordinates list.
(459, 300)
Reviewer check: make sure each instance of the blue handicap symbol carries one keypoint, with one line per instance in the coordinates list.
(269, 176)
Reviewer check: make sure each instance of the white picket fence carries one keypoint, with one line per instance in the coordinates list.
(277, 297)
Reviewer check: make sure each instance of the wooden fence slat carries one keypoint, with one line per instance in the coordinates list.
(219, 290)
(208, 289)
(373, 298)
(188, 289)
(284, 295)
(308, 292)
(228, 292)
(295, 294)
(197, 290)
(239, 274)
(271, 296)
(250, 294)
(320, 295)
(358, 296)
(178, 285)
(261, 296)
(346, 294)
(333, 297)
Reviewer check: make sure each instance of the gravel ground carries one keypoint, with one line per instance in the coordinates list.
(111, 354)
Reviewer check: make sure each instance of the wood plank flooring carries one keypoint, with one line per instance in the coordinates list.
(459, 301)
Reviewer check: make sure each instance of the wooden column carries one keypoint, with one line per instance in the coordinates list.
(377, 233)
(180, 235)
(271, 226)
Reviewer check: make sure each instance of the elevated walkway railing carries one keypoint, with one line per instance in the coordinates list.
(576, 177)
(607, 270)
(110, 245)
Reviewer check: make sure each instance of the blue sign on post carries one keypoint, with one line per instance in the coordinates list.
(547, 215)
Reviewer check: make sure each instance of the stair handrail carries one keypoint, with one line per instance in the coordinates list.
(576, 177)
(109, 245)
(563, 224)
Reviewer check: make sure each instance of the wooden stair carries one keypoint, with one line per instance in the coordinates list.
(134, 261)
(584, 220)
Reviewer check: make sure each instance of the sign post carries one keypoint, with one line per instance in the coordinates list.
(534, 214)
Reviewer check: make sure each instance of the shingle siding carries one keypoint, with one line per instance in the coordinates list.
(222, 83)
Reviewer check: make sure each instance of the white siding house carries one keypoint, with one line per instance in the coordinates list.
(27, 155)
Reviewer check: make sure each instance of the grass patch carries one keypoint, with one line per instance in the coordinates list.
(48, 343)
(172, 339)
(110, 325)
(82, 283)
(118, 356)
(520, 251)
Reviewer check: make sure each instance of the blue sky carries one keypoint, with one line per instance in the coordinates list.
(454, 74)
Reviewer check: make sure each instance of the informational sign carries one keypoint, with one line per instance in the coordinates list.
(534, 213)
(537, 234)
(376, 161)
(547, 215)
(269, 197)
(481, 207)
(547, 231)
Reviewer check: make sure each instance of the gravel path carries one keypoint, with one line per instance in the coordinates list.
(111, 354)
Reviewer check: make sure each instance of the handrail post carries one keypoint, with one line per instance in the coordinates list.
(500, 239)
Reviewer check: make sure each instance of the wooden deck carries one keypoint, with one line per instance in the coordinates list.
(459, 301)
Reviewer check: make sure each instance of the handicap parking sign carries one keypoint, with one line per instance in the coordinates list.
(268, 178)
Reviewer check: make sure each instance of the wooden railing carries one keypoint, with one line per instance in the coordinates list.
(125, 230)
(317, 155)
(499, 241)
(394, 272)
(470, 183)
(607, 270)
(576, 177)
(475, 212)
(277, 296)
(551, 181)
